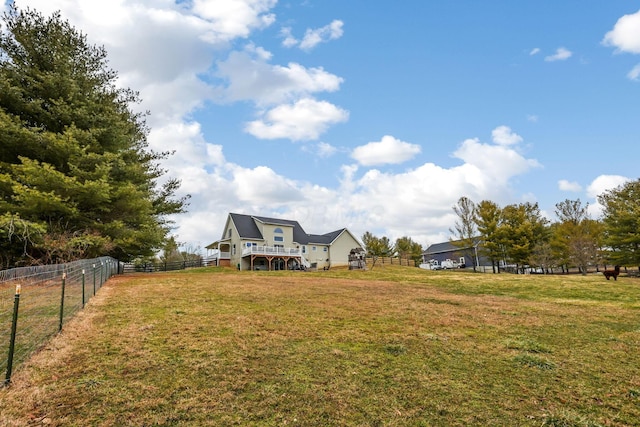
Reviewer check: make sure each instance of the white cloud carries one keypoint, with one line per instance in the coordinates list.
(326, 150)
(263, 186)
(496, 163)
(604, 183)
(534, 51)
(598, 186)
(250, 77)
(314, 37)
(387, 150)
(560, 55)
(625, 35)
(503, 135)
(235, 18)
(634, 74)
(306, 119)
(416, 202)
(288, 39)
(572, 186)
(532, 118)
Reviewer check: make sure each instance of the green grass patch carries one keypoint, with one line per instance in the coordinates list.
(527, 344)
(568, 419)
(534, 361)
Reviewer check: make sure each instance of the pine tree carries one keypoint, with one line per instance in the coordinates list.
(621, 218)
(76, 172)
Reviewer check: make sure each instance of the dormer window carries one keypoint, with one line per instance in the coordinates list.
(278, 230)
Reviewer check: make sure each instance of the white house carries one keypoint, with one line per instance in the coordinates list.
(251, 242)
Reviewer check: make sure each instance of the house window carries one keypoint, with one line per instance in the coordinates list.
(313, 248)
(325, 249)
(229, 234)
(304, 249)
(233, 251)
(278, 230)
(278, 239)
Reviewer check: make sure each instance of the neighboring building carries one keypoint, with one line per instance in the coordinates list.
(448, 255)
(259, 243)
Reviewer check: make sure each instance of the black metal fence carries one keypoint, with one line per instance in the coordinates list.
(155, 266)
(35, 302)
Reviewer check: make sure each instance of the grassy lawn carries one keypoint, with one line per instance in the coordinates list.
(396, 346)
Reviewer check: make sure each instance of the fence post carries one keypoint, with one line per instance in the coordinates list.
(94, 280)
(83, 288)
(101, 273)
(64, 279)
(12, 342)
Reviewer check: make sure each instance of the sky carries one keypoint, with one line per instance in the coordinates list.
(376, 115)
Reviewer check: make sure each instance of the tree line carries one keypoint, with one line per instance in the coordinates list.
(519, 235)
(77, 177)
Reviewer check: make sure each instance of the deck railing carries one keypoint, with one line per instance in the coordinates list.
(270, 250)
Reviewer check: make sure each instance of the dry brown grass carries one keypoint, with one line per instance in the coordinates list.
(395, 347)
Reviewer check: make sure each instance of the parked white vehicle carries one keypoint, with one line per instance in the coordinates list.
(449, 263)
(431, 265)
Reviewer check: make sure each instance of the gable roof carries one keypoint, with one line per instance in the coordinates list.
(246, 226)
(247, 229)
(438, 248)
(325, 239)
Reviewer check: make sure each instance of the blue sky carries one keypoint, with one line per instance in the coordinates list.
(377, 115)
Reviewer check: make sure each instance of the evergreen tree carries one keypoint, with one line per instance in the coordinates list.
(488, 217)
(522, 228)
(621, 218)
(77, 178)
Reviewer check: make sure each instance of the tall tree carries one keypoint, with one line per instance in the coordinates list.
(576, 237)
(488, 217)
(572, 211)
(522, 227)
(465, 228)
(76, 172)
(621, 218)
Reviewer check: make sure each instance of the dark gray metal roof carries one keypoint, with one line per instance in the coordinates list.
(246, 226)
(247, 229)
(440, 247)
(325, 239)
(443, 247)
